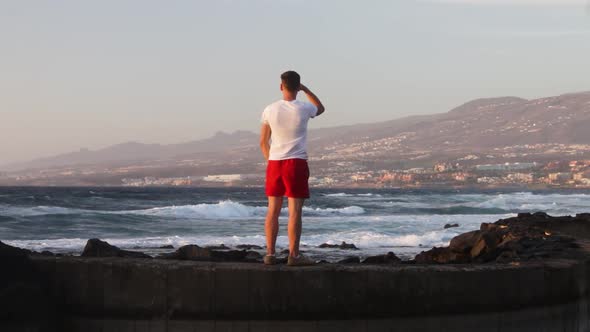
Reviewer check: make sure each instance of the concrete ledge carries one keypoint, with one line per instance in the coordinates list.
(163, 290)
(571, 317)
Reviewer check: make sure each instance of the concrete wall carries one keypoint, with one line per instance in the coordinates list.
(160, 295)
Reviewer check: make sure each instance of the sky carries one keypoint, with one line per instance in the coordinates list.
(89, 74)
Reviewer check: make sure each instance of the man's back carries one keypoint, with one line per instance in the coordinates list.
(288, 122)
(287, 174)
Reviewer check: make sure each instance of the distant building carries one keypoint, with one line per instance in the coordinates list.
(418, 170)
(489, 180)
(443, 167)
(581, 176)
(223, 178)
(560, 177)
(520, 178)
(505, 167)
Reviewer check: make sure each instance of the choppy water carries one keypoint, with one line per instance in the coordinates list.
(377, 221)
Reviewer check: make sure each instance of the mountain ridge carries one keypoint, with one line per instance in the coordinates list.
(479, 124)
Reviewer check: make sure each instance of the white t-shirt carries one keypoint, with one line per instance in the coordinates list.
(288, 124)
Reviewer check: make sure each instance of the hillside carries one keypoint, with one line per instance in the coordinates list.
(477, 126)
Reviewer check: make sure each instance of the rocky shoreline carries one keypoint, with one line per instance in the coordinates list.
(547, 255)
(528, 236)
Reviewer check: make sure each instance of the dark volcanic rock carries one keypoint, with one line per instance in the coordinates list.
(525, 237)
(98, 248)
(9, 252)
(464, 242)
(25, 298)
(218, 247)
(389, 258)
(168, 246)
(46, 253)
(249, 247)
(350, 260)
(195, 253)
(541, 215)
(447, 226)
(343, 245)
(286, 251)
(189, 252)
(441, 256)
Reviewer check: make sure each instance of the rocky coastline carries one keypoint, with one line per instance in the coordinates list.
(550, 255)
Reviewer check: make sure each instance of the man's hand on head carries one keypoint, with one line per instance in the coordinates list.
(313, 99)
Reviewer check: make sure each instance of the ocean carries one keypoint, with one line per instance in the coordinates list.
(406, 222)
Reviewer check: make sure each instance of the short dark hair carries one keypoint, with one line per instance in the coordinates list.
(291, 81)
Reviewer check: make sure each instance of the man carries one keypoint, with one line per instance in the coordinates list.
(285, 121)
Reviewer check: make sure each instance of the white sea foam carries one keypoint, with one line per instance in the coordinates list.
(233, 210)
(526, 201)
(362, 239)
(338, 195)
(223, 210)
(352, 195)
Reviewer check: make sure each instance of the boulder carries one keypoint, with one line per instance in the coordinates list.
(168, 246)
(350, 260)
(98, 248)
(464, 242)
(343, 245)
(218, 247)
(447, 226)
(7, 251)
(541, 215)
(249, 247)
(441, 255)
(525, 237)
(389, 258)
(25, 296)
(193, 252)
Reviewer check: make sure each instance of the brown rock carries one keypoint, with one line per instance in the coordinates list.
(350, 260)
(441, 255)
(478, 248)
(464, 242)
(343, 245)
(218, 247)
(98, 248)
(193, 252)
(249, 246)
(389, 258)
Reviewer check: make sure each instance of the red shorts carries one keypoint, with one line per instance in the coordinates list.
(287, 178)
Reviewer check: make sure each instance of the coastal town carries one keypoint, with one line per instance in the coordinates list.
(485, 143)
(463, 172)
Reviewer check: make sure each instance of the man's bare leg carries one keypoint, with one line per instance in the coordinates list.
(271, 225)
(295, 211)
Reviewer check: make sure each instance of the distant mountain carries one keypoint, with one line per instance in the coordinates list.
(481, 124)
(478, 125)
(139, 152)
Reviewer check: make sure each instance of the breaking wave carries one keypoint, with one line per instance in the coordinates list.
(362, 239)
(223, 210)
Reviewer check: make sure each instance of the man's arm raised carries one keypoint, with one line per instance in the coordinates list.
(313, 99)
(265, 140)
